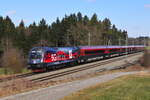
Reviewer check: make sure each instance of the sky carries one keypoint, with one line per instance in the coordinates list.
(131, 15)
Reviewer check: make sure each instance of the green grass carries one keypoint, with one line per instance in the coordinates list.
(2, 71)
(9, 72)
(147, 48)
(26, 70)
(135, 87)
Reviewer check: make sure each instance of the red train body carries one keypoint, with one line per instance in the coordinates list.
(44, 58)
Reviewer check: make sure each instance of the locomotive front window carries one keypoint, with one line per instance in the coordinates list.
(35, 56)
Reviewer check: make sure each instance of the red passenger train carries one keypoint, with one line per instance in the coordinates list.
(45, 58)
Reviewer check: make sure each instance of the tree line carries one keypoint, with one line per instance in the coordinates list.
(72, 30)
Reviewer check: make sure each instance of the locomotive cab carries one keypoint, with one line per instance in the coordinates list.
(35, 58)
(41, 57)
(51, 57)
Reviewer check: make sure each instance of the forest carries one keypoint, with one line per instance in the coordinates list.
(72, 30)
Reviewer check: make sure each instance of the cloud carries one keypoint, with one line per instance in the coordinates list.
(12, 12)
(147, 6)
(90, 0)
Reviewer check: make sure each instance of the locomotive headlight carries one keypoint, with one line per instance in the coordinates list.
(34, 61)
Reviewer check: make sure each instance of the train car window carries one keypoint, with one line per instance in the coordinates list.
(113, 50)
(94, 51)
(124, 49)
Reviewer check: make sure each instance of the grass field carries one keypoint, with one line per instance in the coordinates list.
(135, 87)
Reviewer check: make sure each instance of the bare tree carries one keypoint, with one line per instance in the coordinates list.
(12, 59)
(146, 57)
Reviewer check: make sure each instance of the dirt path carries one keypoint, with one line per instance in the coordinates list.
(61, 90)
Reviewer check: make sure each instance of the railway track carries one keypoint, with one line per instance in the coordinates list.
(17, 76)
(60, 74)
(71, 71)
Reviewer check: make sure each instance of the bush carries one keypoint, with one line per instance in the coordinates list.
(146, 58)
(12, 61)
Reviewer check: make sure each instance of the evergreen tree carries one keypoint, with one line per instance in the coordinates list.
(79, 17)
(1, 27)
(56, 32)
(21, 38)
(8, 32)
(85, 20)
(106, 26)
(1, 32)
(9, 28)
(94, 20)
(33, 38)
(43, 33)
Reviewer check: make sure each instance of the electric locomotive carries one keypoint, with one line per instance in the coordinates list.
(44, 58)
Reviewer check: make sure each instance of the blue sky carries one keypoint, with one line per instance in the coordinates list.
(131, 15)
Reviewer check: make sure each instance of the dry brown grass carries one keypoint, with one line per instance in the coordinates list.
(145, 60)
(14, 86)
(143, 73)
(136, 67)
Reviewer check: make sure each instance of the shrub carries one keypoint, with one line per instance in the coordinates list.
(12, 60)
(146, 58)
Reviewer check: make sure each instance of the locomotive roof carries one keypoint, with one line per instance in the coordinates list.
(104, 47)
(44, 48)
(82, 47)
(54, 48)
(67, 48)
